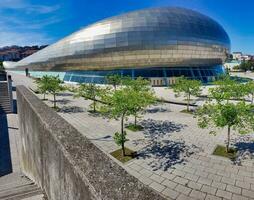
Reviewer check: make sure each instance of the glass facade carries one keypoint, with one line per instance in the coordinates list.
(161, 37)
(205, 74)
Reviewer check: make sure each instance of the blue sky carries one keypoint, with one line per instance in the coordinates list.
(28, 22)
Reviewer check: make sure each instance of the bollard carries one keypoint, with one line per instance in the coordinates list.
(27, 72)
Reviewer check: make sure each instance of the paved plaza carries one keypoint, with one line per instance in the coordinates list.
(175, 156)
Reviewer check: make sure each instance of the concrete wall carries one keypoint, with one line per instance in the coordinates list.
(66, 164)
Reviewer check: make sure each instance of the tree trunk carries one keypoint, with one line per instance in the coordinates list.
(114, 87)
(54, 100)
(94, 109)
(122, 131)
(188, 102)
(227, 148)
(44, 96)
(135, 120)
(252, 98)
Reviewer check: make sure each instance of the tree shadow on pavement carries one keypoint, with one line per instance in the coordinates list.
(71, 109)
(105, 116)
(64, 94)
(155, 129)
(105, 138)
(62, 101)
(245, 148)
(165, 154)
(5, 153)
(157, 109)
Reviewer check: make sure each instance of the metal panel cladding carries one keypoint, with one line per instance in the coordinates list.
(156, 37)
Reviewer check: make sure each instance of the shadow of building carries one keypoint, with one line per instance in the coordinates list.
(5, 153)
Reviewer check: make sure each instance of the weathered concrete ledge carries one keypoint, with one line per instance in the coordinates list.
(66, 164)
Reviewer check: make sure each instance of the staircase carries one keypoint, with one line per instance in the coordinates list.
(17, 187)
(2, 76)
(14, 186)
(5, 103)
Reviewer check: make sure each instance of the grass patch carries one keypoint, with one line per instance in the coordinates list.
(118, 155)
(57, 109)
(93, 111)
(221, 151)
(186, 111)
(134, 127)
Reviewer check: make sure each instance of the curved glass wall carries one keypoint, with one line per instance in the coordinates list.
(205, 74)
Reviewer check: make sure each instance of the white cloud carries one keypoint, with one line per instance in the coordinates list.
(18, 23)
(14, 38)
(23, 23)
(27, 7)
(41, 9)
(12, 4)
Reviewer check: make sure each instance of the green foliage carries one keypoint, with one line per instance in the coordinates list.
(227, 88)
(219, 112)
(246, 66)
(120, 105)
(54, 86)
(92, 92)
(134, 127)
(238, 116)
(139, 84)
(222, 151)
(144, 95)
(114, 80)
(72, 89)
(188, 88)
(119, 156)
(250, 90)
(132, 98)
(127, 101)
(120, 138)
(43, 85)
(50, 84)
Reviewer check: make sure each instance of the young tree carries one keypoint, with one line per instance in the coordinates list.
(127, 101)
(223, 89)
(227, 89)
(114, 80)
(138, 84)
(54, 86)
(144, 98)
(220, 112)
(188, 88)
(250, 90)
(120, 104)
(42, 85)
(246, 66)
(237, 116)
(90, 91)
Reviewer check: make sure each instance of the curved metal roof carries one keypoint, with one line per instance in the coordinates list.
(138, 30)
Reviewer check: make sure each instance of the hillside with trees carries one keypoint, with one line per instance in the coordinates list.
(16, 53)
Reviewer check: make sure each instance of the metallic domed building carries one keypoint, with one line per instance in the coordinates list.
(159, 44)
